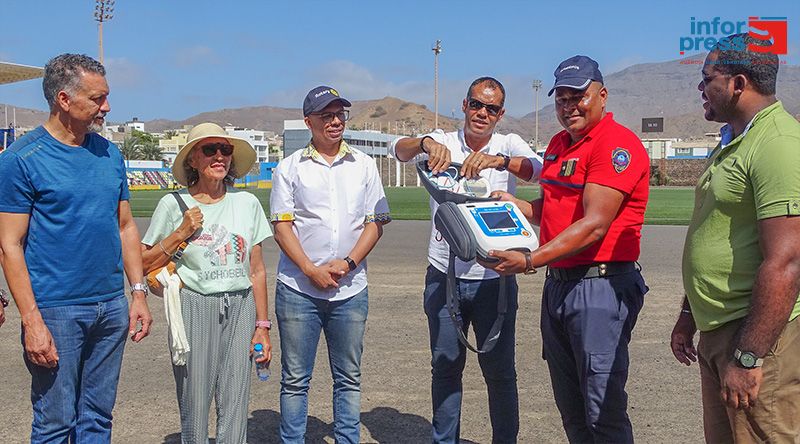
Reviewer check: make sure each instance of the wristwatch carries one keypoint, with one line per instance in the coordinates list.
(139, 286)
(529, 269)
(350, 263)
(506, 161)
(179, 252)
(747, 359)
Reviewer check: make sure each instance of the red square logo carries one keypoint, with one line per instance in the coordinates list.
(769, 28)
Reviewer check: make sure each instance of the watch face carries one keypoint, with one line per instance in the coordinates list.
(747, 359)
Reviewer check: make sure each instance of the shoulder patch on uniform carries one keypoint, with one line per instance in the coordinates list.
(620, 158)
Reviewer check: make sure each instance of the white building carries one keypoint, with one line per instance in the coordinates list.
(134, 124)
(259, 139)
(374, 143)
(678, 149)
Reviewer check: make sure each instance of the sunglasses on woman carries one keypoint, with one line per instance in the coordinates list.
(212, 148)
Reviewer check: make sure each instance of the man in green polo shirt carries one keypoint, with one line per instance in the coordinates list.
(741, 261)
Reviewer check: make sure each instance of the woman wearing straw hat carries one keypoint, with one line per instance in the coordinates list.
(223, 299)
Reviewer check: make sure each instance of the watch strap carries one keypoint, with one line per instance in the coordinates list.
(350, 263)
(139, 286)
(506, 162)
(529, 269)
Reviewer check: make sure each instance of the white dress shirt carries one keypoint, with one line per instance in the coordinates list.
(329, 205)
(511, 145)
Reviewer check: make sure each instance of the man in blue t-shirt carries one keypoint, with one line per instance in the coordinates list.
(66, 232)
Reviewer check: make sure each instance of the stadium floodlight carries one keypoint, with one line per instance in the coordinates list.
(437, 49)
(537, 85)
(103, 12)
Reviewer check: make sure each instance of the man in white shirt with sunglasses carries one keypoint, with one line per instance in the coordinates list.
(497, 158)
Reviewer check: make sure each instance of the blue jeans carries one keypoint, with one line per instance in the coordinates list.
(478, 302)
(73, 402)
(586, 327)
(301, 318)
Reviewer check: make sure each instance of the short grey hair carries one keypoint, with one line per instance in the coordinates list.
(63, 73)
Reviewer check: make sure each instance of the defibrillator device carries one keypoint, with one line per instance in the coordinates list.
(472, 224)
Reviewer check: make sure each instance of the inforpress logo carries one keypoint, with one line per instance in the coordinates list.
(704, 35)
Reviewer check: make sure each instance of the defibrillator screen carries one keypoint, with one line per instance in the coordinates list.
(495, 220)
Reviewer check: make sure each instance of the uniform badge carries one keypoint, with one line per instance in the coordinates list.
(620, 158)
(568, 167)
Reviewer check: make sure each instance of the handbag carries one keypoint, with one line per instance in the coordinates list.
(152, 282)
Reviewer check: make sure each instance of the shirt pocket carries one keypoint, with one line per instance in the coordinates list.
(356, 203)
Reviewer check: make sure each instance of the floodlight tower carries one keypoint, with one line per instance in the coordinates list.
(537, 84)
(437, 48)
(103, 11)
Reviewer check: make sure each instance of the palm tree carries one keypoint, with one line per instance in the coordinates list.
(150, 151)
(130, 149)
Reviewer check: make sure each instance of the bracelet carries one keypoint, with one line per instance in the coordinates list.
(163, 250)
(263, 323)
(422, 143)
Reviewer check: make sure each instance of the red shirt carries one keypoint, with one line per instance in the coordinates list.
(609, 155)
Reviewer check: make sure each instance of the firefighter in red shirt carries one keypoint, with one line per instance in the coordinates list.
(594, 194)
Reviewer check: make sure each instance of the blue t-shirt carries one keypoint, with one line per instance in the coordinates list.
(73, 249)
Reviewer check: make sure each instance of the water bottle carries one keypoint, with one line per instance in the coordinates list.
(262, 368)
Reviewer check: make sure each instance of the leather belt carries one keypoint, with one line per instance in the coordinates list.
(604, 269)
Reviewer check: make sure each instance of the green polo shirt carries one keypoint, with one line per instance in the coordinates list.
(752, 177)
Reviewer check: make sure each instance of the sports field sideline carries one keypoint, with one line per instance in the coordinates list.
(667, 206)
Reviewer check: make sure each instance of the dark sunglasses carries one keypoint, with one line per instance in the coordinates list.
(343, 116)
(212, 148)
(477, 104)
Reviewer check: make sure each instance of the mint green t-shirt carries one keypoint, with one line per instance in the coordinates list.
(755, 176)
(218, 260)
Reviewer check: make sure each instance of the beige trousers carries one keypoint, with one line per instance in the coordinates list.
(776, 416)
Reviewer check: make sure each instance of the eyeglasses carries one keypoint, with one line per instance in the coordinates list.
(212, 148)
(343, 116)
(476, 104)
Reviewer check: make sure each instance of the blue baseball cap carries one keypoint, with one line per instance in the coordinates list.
(576, 72)
(320, 97)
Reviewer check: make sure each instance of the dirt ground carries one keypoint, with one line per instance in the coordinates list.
(664, 402)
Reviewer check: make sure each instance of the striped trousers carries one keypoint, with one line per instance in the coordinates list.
(219, 328)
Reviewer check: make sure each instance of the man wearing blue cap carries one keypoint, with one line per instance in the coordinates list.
(594, 193)
(328, 209)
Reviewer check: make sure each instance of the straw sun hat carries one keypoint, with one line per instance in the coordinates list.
(244, 156)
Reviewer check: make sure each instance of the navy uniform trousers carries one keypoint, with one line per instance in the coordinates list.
(586, 327)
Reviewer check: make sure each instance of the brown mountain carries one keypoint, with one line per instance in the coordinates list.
(668, 90)
(25, 117)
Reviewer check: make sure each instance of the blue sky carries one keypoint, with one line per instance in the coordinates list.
(176, 58)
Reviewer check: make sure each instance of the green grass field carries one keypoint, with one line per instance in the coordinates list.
(667, 206)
